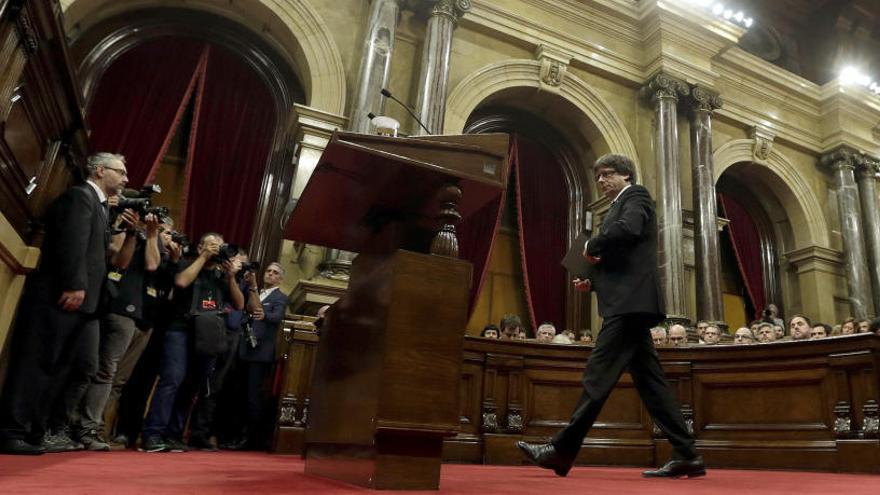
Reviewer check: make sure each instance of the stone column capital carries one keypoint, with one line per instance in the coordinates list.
(842, 157)
(704, 100)
(664, 86)
(868, 168)
(453, 9)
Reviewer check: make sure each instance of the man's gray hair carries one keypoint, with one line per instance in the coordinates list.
(277, 264)
(99, 159)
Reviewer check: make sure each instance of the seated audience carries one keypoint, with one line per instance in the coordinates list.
(546, 332)
(586, 336)
(848, 326)
(677, 335)
(820, 331)
(490, 331)
(521, 334)
(711, 335)
(862, 325)
(701, 328)
(799, 327)
(511, 326)
(765, 333)
(743, 335)
(562, 338)
(570, 334)
(658, 335)
(836, 331)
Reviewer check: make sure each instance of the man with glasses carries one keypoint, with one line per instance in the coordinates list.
(625, 278)
(57, 320)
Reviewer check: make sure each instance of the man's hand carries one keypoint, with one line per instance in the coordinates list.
(152, 225)
(210, 249)
(259, 314)
(250, 280)
(71, 300)
(582, 285)
(174, 251)
(113, 200)
(130, 217)
(229, 266)
(593, 260)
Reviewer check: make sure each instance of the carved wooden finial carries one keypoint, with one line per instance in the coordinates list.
(445, 243)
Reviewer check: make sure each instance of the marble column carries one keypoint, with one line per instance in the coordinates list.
(842, 162)
(434, 74)
(663, 92)
(706, 250)
(375, 63)
(866, 176)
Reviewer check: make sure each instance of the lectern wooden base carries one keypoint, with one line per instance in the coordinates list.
(387, 372)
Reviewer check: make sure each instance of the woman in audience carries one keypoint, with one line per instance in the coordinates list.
(862, 325)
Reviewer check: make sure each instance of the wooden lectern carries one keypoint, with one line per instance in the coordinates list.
(386, 379)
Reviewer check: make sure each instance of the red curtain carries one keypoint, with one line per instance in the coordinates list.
(747, 247)
(472, 233)
(139, 100)
(543, 217)
(233, 131)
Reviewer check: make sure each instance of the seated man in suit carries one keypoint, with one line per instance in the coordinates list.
(546, 332)
(257, 359)
(711, 335)
(743, 335)
(59, 303)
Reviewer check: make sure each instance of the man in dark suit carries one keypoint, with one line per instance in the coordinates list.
(257, 358)
(60, 299)
(624, 276)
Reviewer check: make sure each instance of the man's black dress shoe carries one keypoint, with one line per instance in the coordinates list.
(20, 447)
(545, 455)
(678, 468)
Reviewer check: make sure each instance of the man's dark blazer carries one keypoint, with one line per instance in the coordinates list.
(265, 330)
(626, 279)
(74, 249)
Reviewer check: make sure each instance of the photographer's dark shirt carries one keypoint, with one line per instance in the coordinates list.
(208, 292)
(128, 286)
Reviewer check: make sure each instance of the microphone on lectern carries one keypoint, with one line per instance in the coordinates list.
(387, 94)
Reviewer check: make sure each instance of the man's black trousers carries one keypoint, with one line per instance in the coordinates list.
(625, 343)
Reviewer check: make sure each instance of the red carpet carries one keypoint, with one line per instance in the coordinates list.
(122, 473)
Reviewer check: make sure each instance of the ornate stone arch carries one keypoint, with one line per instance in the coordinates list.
(297, 30)
(798, 199)
(611, 134)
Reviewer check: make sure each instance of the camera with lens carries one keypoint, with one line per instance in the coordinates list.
(141, 201)
(181, 240)
(226, 253)
(251, 266)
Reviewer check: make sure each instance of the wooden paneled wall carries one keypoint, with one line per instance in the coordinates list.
(809, 405)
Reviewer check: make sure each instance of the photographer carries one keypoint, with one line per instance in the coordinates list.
(256, 354)
(194, 339)
(128, 414)
(202, 424)
(126, 280)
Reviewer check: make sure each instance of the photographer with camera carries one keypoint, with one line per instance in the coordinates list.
(194, 339)
(256, 354)
(202, 424)
(153, 320)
